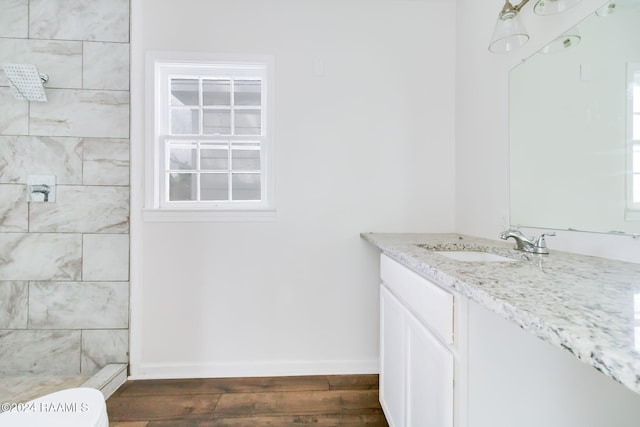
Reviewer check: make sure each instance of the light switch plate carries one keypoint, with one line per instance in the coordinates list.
(41, 188)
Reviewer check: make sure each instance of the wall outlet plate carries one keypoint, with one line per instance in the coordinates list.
(41, 188)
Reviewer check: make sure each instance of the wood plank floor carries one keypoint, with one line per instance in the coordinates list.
(344, 401)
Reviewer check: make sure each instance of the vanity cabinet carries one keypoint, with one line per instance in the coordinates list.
(446, 361)
(416, 354)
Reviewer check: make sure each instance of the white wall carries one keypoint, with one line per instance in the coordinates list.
(482, 156)
(369, 146)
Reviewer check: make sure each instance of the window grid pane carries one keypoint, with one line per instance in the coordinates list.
(246, 186)
(185, 92)
(183, 157)
(216, 92)
(247, 92)
(214, 157)
(209, 106)
(215, 186)
(246, 157)
(184, 121)
(248, 122)
(214, 170)
(216, 121)
(183, 186)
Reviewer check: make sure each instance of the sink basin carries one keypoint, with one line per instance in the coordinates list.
(469, 252)
(475, 256)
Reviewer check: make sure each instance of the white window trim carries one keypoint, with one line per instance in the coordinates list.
(154, 210)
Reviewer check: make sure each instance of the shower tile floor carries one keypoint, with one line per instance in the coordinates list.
(16, 389)
(23, 388)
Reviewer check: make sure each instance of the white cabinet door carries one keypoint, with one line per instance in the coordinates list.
(429, 379)
(392, 358)
(416, 370)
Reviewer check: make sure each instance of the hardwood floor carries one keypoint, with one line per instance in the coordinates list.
(350, 400)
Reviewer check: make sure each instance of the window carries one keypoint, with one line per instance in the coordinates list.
(633, 144)
(211, 152)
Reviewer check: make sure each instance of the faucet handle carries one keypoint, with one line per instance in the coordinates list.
(541, 242)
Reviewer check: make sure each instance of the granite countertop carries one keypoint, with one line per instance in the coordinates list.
(587, 305)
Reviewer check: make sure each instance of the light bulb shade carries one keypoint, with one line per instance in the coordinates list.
(607, 9)
(551, 7)
(562, 43)
(508, 34)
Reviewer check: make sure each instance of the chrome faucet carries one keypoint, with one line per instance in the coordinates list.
(532, 245)
(44, 189)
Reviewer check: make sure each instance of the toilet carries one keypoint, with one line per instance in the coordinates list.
(74, 407)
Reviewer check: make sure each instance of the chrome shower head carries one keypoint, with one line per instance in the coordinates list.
(26, 82)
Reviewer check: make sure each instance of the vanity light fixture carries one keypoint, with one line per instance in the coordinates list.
(563, 42)
(607, 9)
(509, 32)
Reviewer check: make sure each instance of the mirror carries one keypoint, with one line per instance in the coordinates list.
(574, 118)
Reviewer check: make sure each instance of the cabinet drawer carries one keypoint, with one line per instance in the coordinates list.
(431, 304)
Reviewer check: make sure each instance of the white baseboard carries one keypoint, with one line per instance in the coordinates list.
(252, 369)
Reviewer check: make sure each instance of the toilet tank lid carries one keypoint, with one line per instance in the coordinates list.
(79, 406)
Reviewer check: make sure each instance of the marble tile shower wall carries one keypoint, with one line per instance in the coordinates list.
(64, 266)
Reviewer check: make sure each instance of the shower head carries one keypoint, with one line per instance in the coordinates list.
(26, 82)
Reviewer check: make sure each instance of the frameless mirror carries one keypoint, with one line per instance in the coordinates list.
(574, 118)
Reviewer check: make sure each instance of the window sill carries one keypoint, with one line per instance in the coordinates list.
(207, 215)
